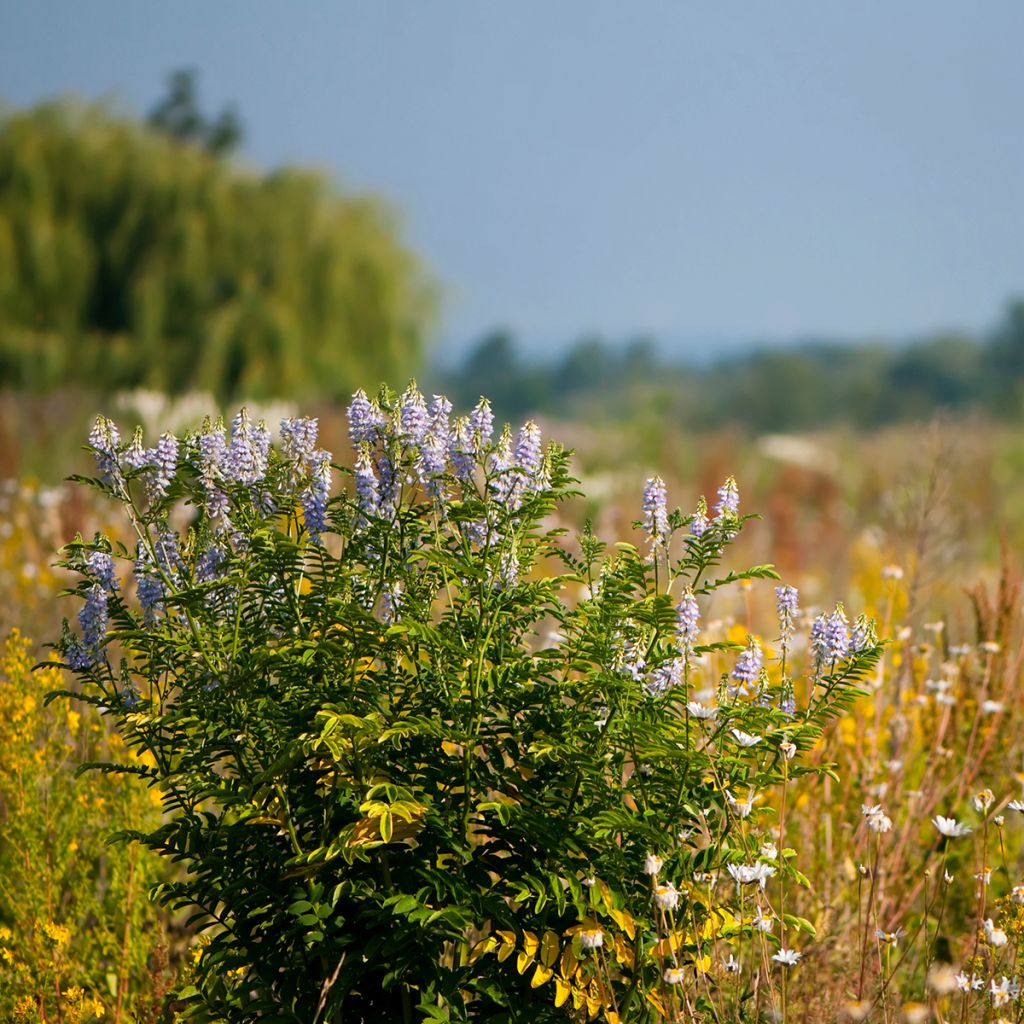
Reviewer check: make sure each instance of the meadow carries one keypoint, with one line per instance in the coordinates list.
(848, 848)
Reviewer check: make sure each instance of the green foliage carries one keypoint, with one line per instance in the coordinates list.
(414, 770)
(131, 258)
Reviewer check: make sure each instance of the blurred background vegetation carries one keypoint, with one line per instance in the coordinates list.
(145, 254)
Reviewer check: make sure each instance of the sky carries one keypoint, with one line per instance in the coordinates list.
(706, 174)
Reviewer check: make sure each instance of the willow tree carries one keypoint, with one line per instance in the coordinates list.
(128, 258)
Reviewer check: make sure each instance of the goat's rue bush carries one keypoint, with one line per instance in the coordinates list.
(424, 757)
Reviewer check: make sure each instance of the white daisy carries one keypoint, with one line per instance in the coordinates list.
(698, 710)
(786, 956)
(745, 739)
(949, 827)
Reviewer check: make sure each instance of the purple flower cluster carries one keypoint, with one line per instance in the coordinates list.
(418, 442)
(830, 637)
(367, 489)
(629, 659)
(837, 635)
(93, 618)
(747, 669)
(699, 523)
(788, 607)
(298, 439)
(728, 499)
(863, 634)
(366, 420)
(435, 447)
(314, 497)
(208, 563)
(105, 439)
(213, 450)
(165, 465)
(687, 621)
(413, 418)
(247, 455)
(101, 565)
(94, 615)
(655, 509)
(664, 678)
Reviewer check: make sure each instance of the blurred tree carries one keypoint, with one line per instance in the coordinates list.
(1005, 362)
(178, 115)
(128, 258)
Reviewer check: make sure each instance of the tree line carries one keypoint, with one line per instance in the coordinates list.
(800, 387)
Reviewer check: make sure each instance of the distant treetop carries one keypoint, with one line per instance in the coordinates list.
(178, 115)
(138, 255)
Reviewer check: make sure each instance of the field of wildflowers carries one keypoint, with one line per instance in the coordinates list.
(405, 739)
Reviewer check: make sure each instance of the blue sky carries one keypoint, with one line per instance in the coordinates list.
(702, 172)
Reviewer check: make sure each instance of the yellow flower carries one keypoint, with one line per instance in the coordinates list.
(58, 934)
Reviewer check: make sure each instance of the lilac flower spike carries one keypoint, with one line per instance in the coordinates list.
(747, 669)
(106, 438)
(314, 497)
(481, 425)
(433, 459)
(665, 678)
(367, 489)
(246, 461)
(460, 448)
(789, 609)
(165, 460)
(687, 621)
(414, 420)
(837, 635)
(101, 565)
(728, 499)
(529, 456)
(863, 634)
(700, 523)
(818, 641)
(93, 619)
(365, 419)
(656, 512)
(298, 439)
(136, 455)
(212, 456)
